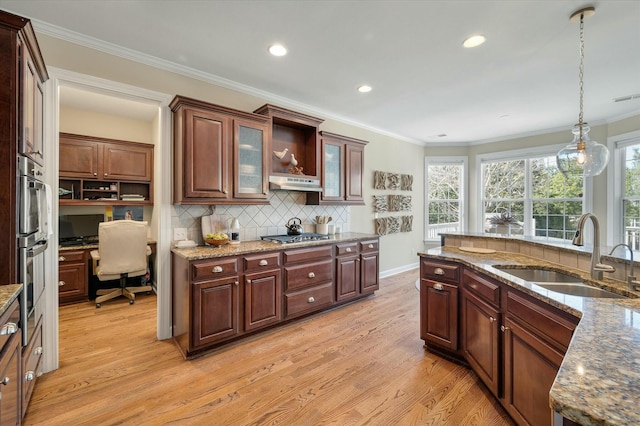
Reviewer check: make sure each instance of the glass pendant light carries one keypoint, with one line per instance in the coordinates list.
(582, 156)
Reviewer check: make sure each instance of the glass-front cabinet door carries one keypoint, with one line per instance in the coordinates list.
(250, 159)
(333, 170)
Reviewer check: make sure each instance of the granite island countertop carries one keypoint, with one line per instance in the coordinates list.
(8, 293)
(599, 378)
(246, 247)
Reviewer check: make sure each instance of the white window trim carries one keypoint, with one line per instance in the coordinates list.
(448, 160)
(522, 154)
(615, 233)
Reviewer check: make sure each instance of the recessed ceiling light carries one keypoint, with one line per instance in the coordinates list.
(474, 40)
(277, 50)
(364, 89)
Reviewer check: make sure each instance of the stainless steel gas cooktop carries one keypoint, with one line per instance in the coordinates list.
(286, 239)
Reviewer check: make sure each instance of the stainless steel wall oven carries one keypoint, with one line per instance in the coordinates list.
(33, 230)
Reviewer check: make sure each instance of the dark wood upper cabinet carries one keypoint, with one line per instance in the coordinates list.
(100, 171)
(342, 169)
(221, 155)
(22, 73)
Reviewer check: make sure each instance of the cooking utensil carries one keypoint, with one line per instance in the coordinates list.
(294, 226)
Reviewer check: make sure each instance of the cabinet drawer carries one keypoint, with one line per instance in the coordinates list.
(308, 274)
(9, 323)
(71, 256)
(440, 271)
(214, 268)
(346, 248)
(482, 287)
(309, 300)
(262, 261)
(302, 255)
(369, 246)
(30, 364)
(533, 315)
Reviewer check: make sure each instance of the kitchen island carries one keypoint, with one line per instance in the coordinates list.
(223, 293)
(599, 374)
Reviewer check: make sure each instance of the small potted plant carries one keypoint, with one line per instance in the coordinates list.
(503, 222)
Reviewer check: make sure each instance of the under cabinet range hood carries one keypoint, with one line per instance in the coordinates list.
(295, 183)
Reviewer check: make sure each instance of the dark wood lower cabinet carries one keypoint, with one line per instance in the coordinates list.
(530, 367)
(216, 309)
(262, 299)
(514, 342)
(224, 298)
(480, 339)
(439, 307)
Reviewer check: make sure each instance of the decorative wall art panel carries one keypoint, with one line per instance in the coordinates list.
(393, 181)
(379, 180)
(406, 182)
(381, 226)
(393, 224)
(407, 223)
(405, 203)
(380, 203)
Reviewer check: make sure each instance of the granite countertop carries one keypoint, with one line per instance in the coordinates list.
(599, 379)
(208, 252)
(8, 293)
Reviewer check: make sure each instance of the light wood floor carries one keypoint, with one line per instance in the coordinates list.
(359, 364)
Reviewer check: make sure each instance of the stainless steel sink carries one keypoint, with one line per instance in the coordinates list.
(540, 275)
(577, 289)
(558, 282)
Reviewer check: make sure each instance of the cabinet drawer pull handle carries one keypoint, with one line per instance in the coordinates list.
(348, 250)
(61, 259)
(370, 246)
(95, 173)
(29, 376)
(438, 271)
(311, 275)
(503, 328)
(263, 262)
(236, 283)
(248, 281)
(106, 174)
(311, 299)
(38, 351)
(217, 269)
(491, 319)
(8, 328)
(438, 287)
(6, 380)
(61, 283)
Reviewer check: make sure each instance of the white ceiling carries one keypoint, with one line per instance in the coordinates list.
(523, 80)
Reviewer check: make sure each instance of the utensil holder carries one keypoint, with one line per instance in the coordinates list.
(322, 228)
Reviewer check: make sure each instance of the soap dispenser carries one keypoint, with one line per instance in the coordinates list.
(235, 231)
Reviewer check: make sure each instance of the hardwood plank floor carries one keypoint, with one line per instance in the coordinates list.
(360, 364)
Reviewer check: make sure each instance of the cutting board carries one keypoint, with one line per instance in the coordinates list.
(477, 250)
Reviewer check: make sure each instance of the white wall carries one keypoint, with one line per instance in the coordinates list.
(382, 153)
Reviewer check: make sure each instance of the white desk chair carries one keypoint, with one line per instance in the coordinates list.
(122, 253)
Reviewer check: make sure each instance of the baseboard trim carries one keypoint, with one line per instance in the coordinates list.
(399, 270)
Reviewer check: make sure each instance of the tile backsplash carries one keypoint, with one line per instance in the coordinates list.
(259, 220)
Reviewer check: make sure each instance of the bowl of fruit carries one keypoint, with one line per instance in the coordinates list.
(216, 239)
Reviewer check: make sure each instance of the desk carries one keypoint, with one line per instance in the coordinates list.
(76, 282)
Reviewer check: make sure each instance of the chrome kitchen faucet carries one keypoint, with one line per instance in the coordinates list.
(597, 268)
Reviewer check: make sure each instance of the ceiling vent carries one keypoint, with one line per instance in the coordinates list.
(627, 98)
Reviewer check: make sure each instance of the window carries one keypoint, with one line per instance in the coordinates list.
(445, 184)
(530, 197)
(624, 198)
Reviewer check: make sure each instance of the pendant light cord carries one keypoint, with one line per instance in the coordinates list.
(581, 73)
